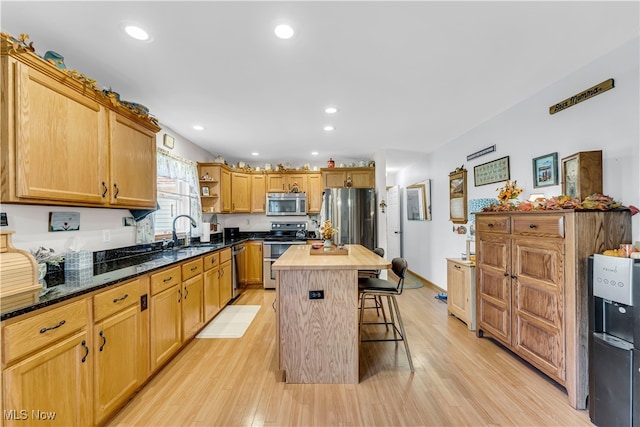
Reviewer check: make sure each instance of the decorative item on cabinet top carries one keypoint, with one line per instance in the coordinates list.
(22, 46)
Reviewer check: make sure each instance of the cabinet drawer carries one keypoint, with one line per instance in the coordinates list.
(538, 225)
(28, 335)
(211, 261)
(191, 269)
(225, 255)
(493, 224)
(111, 301)
(165, 279)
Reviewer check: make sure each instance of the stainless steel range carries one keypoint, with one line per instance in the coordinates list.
(281, 237)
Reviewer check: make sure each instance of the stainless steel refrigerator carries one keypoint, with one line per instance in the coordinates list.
(353, 212)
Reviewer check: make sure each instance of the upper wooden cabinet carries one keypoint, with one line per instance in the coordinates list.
(348, 177)
(258, 193)
(132, 154)
(240, 192)
(215, 187)
(314, 192)
(62, 143)
(286, 181)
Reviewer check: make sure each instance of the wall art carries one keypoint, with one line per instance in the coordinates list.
(545, 170)
(64, 221)
(490, 172)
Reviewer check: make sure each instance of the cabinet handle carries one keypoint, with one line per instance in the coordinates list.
(179, 295)
(168, 279)
(86, 351)
(104, 340)
(514, 277)
(50, 328)
(532, 226)
(490, 225)
(221, 272)
(506, 274)
(122, 298)
(194, 268)
(115, 186)
(457, 266)
(186, 292)
(105, 189)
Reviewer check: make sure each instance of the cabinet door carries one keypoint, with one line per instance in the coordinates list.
(538, 303)
(254, 262)
(211, 293)
(225, 283)
(258, 193)
(60, 141)
(115, 346)
(362, 178)
(240, 192)
(298, 179)
(132, 154)
(53, 384)
(493, 260)
(314, 193)
(225, 190)
(192, 306)
(276, 183)
(334, 179)
(456, 282)
(166, 324)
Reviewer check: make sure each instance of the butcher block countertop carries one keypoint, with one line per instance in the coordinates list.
(298, 257)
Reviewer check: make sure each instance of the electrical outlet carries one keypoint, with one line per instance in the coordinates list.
(316, 294)
(144, 302)
(106, 235)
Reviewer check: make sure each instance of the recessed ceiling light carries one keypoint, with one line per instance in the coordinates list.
(198, 127)
(331, 110)
(136, 32)
(314, 153)
(329, 128)
(255, 153)
(283, 31)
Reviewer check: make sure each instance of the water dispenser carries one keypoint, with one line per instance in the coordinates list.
(614, 341)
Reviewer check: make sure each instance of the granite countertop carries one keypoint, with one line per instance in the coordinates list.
(116, 271)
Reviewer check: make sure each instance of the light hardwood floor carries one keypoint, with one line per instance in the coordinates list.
(460, 380)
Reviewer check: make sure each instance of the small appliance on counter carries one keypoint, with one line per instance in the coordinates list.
(231, 233)
(614, 341)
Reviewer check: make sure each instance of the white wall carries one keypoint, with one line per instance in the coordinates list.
(608, 122)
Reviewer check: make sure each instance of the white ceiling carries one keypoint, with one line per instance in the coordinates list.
(407, 76)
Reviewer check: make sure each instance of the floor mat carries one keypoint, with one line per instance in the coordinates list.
(232, 322)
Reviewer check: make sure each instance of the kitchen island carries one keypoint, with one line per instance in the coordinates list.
(317, 313)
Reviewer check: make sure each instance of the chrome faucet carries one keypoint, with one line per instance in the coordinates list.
(174, 236)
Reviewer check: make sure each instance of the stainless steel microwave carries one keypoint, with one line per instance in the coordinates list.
(279, 204)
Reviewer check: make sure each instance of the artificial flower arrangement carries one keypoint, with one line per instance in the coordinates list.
(510, 191)
(327, 231)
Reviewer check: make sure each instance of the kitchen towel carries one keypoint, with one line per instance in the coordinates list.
(205, 233)
(232, 322)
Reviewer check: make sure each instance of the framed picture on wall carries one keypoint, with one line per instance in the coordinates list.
(458, 196)
(545, 170)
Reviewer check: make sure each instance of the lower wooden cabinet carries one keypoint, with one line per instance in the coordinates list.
(48, 374)
(192, 306)
(461, 291)
(254, 261)
(165, 324)
(211, 286)
(117, 349)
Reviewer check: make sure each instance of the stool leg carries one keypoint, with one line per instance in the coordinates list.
(392, 318)
(404, 334)
(384, 315)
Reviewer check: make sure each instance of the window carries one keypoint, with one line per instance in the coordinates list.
(177, 194)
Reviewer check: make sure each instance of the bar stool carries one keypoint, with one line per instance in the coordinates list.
(385, 288)
(366, 274)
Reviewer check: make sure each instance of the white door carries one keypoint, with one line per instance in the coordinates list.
(394, 232)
